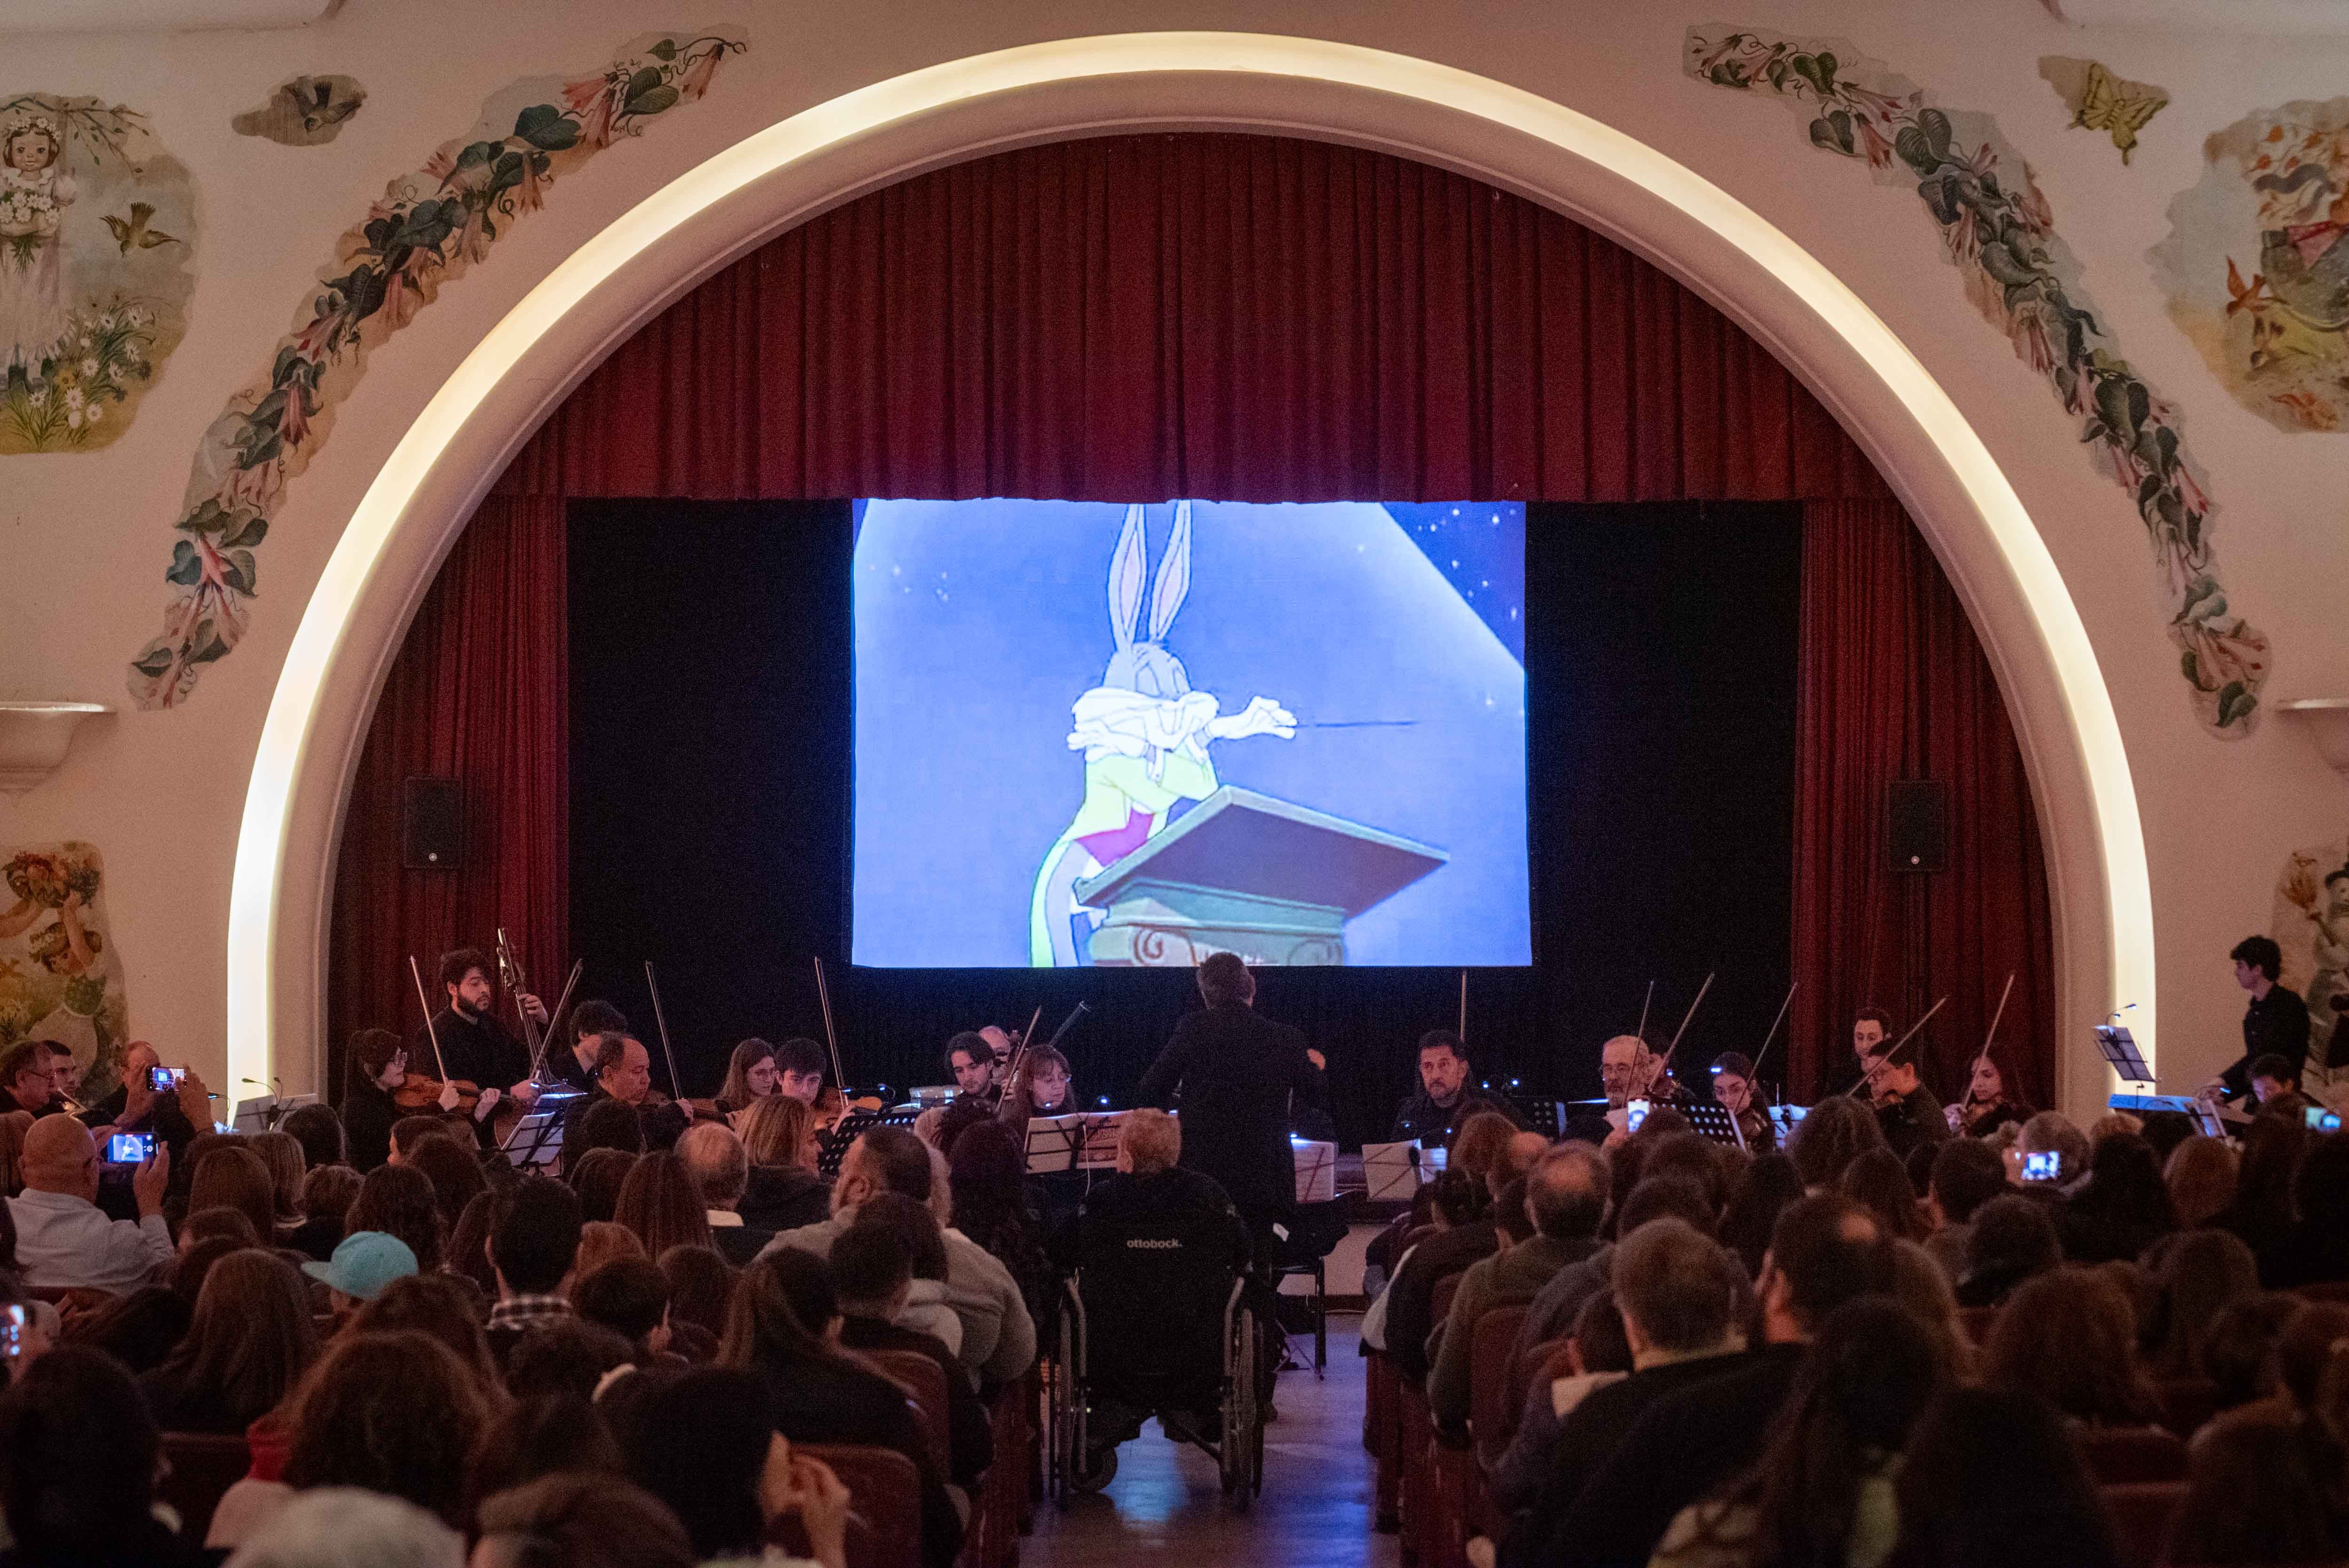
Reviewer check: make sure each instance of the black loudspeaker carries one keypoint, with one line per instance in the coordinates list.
(1917, 824)
(431, 824)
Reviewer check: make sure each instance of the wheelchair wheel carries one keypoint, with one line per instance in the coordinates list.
(1088, 1474)
(1241, 1455)
(1065, 1418)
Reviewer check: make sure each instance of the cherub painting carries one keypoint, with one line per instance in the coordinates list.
(1145, 734)
(34, 191)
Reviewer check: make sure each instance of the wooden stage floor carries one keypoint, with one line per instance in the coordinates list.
(1164, 1507)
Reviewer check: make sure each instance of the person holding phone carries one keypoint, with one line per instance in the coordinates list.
(152, 1098)
(63, 1239)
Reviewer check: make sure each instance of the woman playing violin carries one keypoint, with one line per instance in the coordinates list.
(751, 1076)
(1987, 1105)
(379, 1089)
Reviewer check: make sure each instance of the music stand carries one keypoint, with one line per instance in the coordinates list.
(1055, 1143)
(1712, 1121)
(1786, 1118)
(855, 1124)
(2119, 1049)
(535, 1141)
(263, 1113)
(1393, 1172)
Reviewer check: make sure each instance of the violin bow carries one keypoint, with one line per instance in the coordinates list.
(1983, 1054)
(1685, 1018)
(1462, 1030)
(831, 1035)
(676, 1090)
(1012, 1102)
(578, 966)
(1903, 1040)
(430, 1033)
(1640, 1033)
(1770, 1038)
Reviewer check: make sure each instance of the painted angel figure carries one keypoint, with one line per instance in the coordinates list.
(34, 191)
(1145, 734)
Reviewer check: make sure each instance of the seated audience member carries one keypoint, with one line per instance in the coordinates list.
(540, 1435)
(2070, 1336)
(785, 1190)
(600, 1241)
(999, 1337)
(282, 1156)
(2262, 1492)
(319, 1132)
(784, 1328)
(1764, 1187)
(1452, 1200)
(2121, 1209)
(2239, 1354)
(217, 1225)
(410, 1133)
(63, 1240)
(441, 1305)
(78, 1460)
(2275, 1087)
(1878, 1182)
(872, 1273)
(630, 1297)
(2013, 1239)
(1479, 1151)
(2200, 1175)
(1837, 1131)
(327, 1193)
(137, 1106)
(534, 1250)
(1566, 1195)
(13, 1128)
(343, 1527)
(704, 1444)
(661, 1202)
(923, 1242)
(1926, 1294)
(597, 1177)
(397, 1200)
(141, 1330)
(566, 1355)
(2305, 1387)
(364, 1262)
(1825, 1251)
(1554, 1309)
(1992, 1477)
(28, 1080)
(2314, 1248)
(720, 1170)
(2196, 1275)
(580, 1522)
(186, 1276)
(234, 1178)
(249, 1343)
(1822, 1490)
(2052, 1132)
(1447, 1095)
(1682, 1301)
(2261, 1211)
(1910, 1113)
(701, 1288)
(749, 1077)
(987, 1167)
(1967, 1173)
(454, 1169)
(469, 1243)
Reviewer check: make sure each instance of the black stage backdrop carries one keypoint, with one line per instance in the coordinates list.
(710, 723)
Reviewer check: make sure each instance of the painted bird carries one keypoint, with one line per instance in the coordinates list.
(133, 230)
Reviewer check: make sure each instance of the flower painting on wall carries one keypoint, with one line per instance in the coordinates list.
(98, 230)
(2256, 265)
(60, 973)
(2311, 924)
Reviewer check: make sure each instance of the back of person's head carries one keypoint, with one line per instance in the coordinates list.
(596, 1017)
(601, 1241)
(1689, 1154)
(597, 1177)
(961, 1115)
(399, 1201)
(871, 1265)
(1511, 1218)
(1659, 1197)
(281, 1154)
(775, 1129)
(699, 1444)
(1599, 1342)
(1567, 1192)
(394, 1413)
(1682, 1290)
(2258, 1491)
(986, 1166)
(661, 1202)
(1878, 1182)
(78, 1457)
(782, 1310)
(343, 1527)
(606, 1124)
(537, 1241)
(895, 1161)
(328, 1192)
(1837, 1131)
(468, 1239)
(2070, 1336)
(2200, 1175)
(1480, 1145)
(441, 1305)
(2125, 1180)
(187, 1275)
(2305, 1348)
(2239, 1351)
(140, 1330)
(2052, 1132)
(1767, 1184)
(915, 1229)
(1151, 1140)
(2014, 1236)
(2320, 1190)
(628, 1296)
(565, 1356)
(235, 1177)
(251, 1338)
(1992, 1477)
(2196, 1275)
(714, 1158)
(319, 1132)
(580, 1522)
(1967, 1173)
(1828, 1252)
(1456, 1197)
(454, 1170)
(542, 1435)
(1225, 980)
(1922, 1287)
(410, 1131)
(700, 1286)
(220, 1222)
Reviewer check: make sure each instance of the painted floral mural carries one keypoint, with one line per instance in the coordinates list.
(98, 230)
(2256, 265)
(60, 973)
(2311, 924)
(428, 227)
(1999, 232)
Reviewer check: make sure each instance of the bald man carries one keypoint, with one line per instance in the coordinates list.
(63, 1239)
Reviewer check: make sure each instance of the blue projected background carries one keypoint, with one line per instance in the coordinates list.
(1387, 639)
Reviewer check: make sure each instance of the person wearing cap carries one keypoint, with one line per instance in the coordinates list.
(1732, 1087)
(363, 1264)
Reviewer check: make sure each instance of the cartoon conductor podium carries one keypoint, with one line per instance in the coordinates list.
(1242, 873)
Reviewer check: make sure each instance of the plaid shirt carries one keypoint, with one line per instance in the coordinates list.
(521, 1312)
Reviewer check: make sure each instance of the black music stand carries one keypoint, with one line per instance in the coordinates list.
(854, 1125)
(535, 1141)
(2119, 1049)
(1712, 1121)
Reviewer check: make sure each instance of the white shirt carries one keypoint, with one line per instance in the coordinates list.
(64, 1240)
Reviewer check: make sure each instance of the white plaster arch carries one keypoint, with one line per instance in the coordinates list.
(595, 298)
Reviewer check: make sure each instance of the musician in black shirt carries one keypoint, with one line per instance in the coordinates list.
(2275, 1024)
(472, 1044)
(1447, 1095)
(575, 1068)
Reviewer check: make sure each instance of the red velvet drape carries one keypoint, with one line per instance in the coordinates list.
(1891, 684)
(479, 693)
(1245, 317)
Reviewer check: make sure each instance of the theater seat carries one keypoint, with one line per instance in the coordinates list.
(926, 1383)
(1491, 1416)
(2118, 1456)
(1978, 1321)
(2141, 1513)
(885, 1491)
(203, 1466)
(2187, 1404)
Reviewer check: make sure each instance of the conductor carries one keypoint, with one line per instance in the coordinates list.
(1237, 1072)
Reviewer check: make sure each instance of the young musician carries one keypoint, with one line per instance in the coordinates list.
(798, 1069)
(970, 1062)
(2275, 1083)
(1987, 1105)
(1909, 1113)
(1446, 1096)
(1733, 1087)
(575, 1068)
(751, 1075)
(2275, 1024)
(376, 1067)
(472, 1044)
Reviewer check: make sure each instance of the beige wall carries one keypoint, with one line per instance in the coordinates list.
(84, 538)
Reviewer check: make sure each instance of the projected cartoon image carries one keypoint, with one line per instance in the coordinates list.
(1020, 802)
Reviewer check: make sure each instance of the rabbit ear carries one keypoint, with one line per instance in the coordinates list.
(1173, 574)
(1126, 571)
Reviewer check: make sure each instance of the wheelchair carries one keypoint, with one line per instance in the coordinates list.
(1144, 1333)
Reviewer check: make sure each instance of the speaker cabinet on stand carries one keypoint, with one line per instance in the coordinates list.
(1917, 845)
(431, 824)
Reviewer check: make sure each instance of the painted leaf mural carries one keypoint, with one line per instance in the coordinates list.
(98, 235)
(2256, 265)
(60, 972)
(428, 227)
(1999, 232)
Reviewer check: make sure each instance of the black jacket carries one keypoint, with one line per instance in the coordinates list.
(1421, 1117)
(2275, 1024)
(783, 1197)
(1236, 1072)
(1411, 1305)
(368, 1114)
(478, 1048)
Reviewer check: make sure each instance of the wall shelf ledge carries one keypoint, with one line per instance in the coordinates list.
(34, 735)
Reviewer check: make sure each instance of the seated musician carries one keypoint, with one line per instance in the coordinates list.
(970, 1062)
(377, 1067)
(1447, 1097)
(623, 1072)
(1629, 1070)
(1733, 1087)
(575, 1068)
(799, 1070)
(751, 1076)
(1050, 1092)
(473, 1045)
(2275, 1085)
(1910, 1114)
(1987, 1105)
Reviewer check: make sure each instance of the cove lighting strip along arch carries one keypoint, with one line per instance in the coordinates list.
(255, 899)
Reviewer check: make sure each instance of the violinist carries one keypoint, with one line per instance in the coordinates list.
(575, 1068)
(798, 1069)
(623, 1072)
(474, 1047)
(971, 1061)
(1000, 1044)
(1629, 1070)
(1733, 1087)
(750, 1076)
(1910, 1114)
(1050, 1092)
(1987, 1105)
(373, 1082)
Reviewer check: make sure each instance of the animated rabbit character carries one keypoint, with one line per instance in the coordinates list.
(1145, 734)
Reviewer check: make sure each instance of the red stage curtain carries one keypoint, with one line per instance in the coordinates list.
(480, 693)
(1891, 684)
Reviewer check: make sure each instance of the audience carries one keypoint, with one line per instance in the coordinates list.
(580, 1522)
(630, 1297)
(1878, 1182)
(1992, 1478)
(453, 1167)
(1967, 1173)
(541, 1434)
(662, 1203)
(532, 1252)
(397, 1200)
(2122, 1209)
(704, 1444)
(2196, 1275)
(2200, 1175)
(1837, 1131)
(365, 1262)
(1767, 1184)
(141, 1330)
(785, 1192)
(2314, 1248)
(872, 1275)
(249, 1343)
(701, 1288)
(79, 1456)
(567, 1356)
(2070, 1337)
(281, 1155)
(2262, 1492)
(2238, 1353)
(343, 1527)
(437, 1305)
(63, 1239)
(720, 1170)
(395, 1413)
(597, 1176)
(601, 1241)
(2011, 1239)
(327, 1193)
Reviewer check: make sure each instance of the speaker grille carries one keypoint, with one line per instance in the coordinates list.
(1917, 824)
(432, 824)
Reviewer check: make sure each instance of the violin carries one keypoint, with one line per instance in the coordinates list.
(417, 1093)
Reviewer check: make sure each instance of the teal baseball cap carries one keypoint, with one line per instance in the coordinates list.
(364, 1262)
